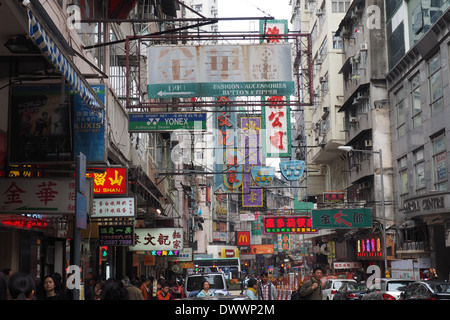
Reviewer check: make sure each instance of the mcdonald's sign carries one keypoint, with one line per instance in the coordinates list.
(243, 238)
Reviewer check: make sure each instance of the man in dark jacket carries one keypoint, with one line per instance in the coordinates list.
(312, 288)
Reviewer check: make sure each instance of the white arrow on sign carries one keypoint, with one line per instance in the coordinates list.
(164, 93)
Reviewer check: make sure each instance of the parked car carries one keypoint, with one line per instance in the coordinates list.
(217, 283)
(427, 290)
(350, 291)
(331, 286)
(387, 289)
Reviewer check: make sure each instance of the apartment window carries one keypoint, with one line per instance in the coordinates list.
(415, 101)
(440, 163)
(340, 6)
(403, 178)
(419, 171)
(435, 83)
(401, 112)
(337, 42)
(198, 7)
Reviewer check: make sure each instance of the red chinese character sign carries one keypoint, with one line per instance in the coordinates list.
(43, 196)
(158, 239)
(109, 180)
(276, 126)
(289, 224)
(273, 29)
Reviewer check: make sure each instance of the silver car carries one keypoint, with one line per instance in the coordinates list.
(387, 289)
(331, 286)
(217, 283)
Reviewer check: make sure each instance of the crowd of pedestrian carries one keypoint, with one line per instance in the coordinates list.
(21, 286)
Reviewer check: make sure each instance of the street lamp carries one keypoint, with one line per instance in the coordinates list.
(379, 152)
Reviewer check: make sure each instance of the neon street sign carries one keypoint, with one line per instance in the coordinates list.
(289, 224)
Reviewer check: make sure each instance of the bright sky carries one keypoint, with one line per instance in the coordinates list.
(279, 9)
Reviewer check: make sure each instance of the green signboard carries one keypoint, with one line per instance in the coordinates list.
(220, 89)
(144, 122)
(342, 218)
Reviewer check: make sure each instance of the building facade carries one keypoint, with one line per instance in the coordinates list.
(418, 86)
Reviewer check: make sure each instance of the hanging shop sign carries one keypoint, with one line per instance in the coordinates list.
(89, 128)
(116, 235)
(276, 117)
(243, 238)
(347, 265)
(262, 176)
(185, 255)
(109, 180)
(273, 29)
(25, 221)
(292, 170)
(289, 224)
(342, 218)
(228, 158)
(259, 249)
(333, 197)
(148, 122)
(232, 166)
(220, 70)
(283, 242)
(252, 154)
(158, 240)
(114, 208)
(42, 196)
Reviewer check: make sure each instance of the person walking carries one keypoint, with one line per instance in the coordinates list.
(145, 282)
(21, 287)
(252, 288)
(164, 293)
(133, 291)
(312, 288)
(266, 290)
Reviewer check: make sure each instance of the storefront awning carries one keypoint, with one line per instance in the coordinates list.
(56, 56)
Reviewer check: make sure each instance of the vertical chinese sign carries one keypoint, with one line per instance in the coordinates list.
(275, 113)
(276, 127)
(252, 154)
(228, 156)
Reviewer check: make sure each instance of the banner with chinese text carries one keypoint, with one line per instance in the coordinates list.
(117, 235)
(159, 239)
(109, 180)
(276, 126)
(43, 196)
(342, 218)
(289, 224)
(114, 208)
(220, 70)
